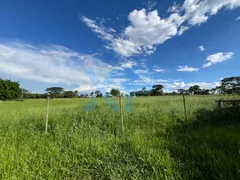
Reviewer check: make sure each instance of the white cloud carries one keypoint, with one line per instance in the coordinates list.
(199, 11)
(187, 69)
(217, 58)
(115, 42)
(175, 8)
(151, 4)
(158, 70)
(143, 63)
(128, 64)
(104, 87)
(238, 18)
(85, 88)
(53, 64)
(202, 48)
(145, 80)
(141, 71)
(182, 30)
(169, 87)
(147, 29)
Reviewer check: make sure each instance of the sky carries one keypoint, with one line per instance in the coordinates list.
(88, 45)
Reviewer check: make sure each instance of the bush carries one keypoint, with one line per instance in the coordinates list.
(9, 89)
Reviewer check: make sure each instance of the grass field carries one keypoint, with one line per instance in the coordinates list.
(88, 145)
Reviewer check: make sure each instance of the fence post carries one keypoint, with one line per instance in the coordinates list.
(46, 123)
(185, 109)
(121, 112)
(219, 104)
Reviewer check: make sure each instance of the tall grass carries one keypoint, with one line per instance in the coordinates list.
(157, 144)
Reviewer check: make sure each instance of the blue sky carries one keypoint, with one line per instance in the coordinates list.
(89, 45)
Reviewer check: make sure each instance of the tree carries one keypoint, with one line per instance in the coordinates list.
(98, 94)
(213, 90)
(69, 94)
(132, 93)
(107, 94)
(82, 95)
(76, 93)
(91, 94)
(157, 90)
(194, 89)
(115, 92)
(9, 89)
(230, 85)
(55, 91)
(144, 91)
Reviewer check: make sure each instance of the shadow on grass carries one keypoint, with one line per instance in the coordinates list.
(208, 147)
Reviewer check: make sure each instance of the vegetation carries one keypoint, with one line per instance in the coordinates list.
(9, 89)
(230, 85)
(98, 94)
(157, 90)
(158, 144)
(55, 91)
(115, 92)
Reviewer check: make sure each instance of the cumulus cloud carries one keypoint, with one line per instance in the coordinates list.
(147, 29)
(187, 69)
(119, 44)
(202, 48)
(218, 58)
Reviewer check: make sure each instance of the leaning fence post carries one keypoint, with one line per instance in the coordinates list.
(121, 112)
(46, 124)
(185, 109)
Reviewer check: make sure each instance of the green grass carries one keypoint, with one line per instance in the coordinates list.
(88, 145)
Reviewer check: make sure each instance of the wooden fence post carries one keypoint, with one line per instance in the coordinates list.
(121, 113)
(219, 104)
(185, 109)
(46, 123)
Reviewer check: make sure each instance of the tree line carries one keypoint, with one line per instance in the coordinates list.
(11, 90)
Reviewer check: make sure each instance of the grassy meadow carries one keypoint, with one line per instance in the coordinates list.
(158, 143)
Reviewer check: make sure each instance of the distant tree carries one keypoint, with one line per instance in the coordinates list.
(194, 89)
(85, 95)
(55, 91)
(203, 91)
(9, 89)
(98, 94)
(213, 91)
(82, 95)
(115, 92)
(144, 91)
(132, 93)
(69, 94)
(91, 94)
(76, 93)
(157, 90)
(108, 94)
(181, 91)
(25, 91)
(230, 85)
